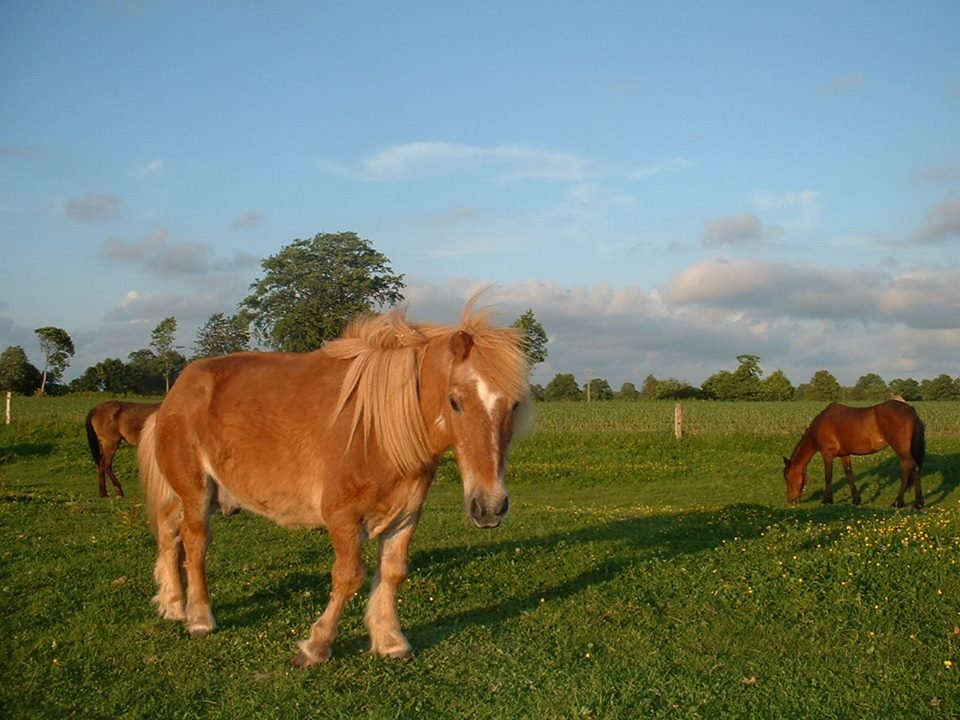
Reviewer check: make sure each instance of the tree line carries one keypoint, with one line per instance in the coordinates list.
(312, 288)
(747, 383)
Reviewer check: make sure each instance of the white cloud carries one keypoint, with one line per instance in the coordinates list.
(515, 162)
(154, 167)
(666, 166)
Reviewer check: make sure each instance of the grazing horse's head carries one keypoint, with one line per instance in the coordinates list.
(795, 474)
(487, 402)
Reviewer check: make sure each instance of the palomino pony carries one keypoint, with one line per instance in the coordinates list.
(108, 425)
(348, 437)
(841, 431)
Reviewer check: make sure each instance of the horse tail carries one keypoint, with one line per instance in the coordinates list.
(92, 439)
(918, 443)
(157, 492)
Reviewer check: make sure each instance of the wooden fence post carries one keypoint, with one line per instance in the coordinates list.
(678, 421)
(9, 394)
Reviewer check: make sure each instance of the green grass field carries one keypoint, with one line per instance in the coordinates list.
(635, 577)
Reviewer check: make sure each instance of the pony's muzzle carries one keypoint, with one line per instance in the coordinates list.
(486, 510)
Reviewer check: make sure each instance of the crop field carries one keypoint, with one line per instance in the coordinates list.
(636, 576)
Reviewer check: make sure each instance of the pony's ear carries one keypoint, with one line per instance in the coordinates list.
(460, 344)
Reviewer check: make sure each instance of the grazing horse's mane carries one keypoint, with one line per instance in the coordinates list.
(386, 354)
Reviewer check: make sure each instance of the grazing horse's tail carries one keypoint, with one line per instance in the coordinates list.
(93, 440)
(157, 492)
(918, 443)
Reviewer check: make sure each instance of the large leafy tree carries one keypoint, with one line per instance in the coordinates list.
(16, 373)
(534, 337)
(57, 348)
(312, 288)
(222, 335)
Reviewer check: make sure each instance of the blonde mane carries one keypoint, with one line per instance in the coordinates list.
(383, 379)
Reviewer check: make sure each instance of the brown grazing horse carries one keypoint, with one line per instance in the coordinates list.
(841, 431)
(108, 425)
(348, 437)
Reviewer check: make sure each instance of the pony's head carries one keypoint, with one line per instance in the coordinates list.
(487, 405)
(795, 475)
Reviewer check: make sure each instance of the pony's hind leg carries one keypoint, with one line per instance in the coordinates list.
(851, 479)
(348, 576)
(168, 570)
(195, 531)
(381, 617)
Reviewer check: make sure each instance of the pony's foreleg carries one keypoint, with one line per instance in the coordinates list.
(348, 575)
(381, 617)
(168, 571)
(851, 479)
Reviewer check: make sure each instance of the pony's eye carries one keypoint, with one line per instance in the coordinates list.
(455, 404)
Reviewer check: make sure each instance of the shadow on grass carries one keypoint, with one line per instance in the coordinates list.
(13, 453)
(636, 540)
(939, 479)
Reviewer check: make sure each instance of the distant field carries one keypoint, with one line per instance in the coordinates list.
(635, 577)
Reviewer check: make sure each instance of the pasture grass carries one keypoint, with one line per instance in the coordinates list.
(634, 577)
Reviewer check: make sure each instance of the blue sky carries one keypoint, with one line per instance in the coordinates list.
(666, 185)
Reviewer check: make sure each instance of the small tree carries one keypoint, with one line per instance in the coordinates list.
(628, 391)
(870, 387)
(16, 373)
(941, 387)
(168, 359)
(57, 348)
(776, 386)
(222, 335)
(908, 389)
(824, 386)
(563, 387)
(598, 389)
(534, 337)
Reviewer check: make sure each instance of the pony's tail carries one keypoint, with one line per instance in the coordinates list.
(93, 440)
(157, 492)
(918, 443)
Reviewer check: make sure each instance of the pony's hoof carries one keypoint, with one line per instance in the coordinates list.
(897, 503)
(303, 660)
(918, 506)
(308, 657)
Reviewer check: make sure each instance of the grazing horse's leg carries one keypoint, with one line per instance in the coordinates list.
(113, 476)
(108, 450)
(827, 478)
(168, 570)
(348, 575)
(381, 617)
(848, 471)
(909, 475)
